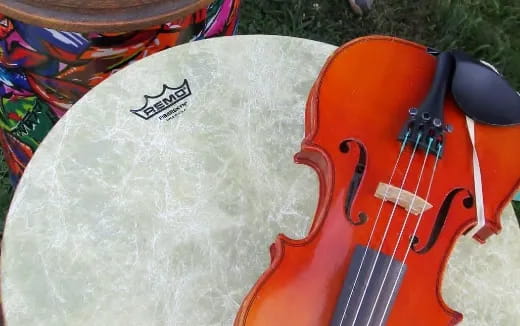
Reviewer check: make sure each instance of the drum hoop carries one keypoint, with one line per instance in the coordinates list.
(103, 20)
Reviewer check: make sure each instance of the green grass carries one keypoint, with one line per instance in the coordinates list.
(488, 29)
(516, 208)
(6, 192)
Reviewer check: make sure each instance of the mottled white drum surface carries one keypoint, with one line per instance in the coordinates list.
(122, 220)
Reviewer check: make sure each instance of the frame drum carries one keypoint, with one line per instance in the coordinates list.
(154, 200)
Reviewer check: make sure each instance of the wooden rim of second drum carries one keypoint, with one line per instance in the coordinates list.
(99, 15)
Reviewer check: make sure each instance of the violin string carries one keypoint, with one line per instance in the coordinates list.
(413, 234)
(375, 224)
(401, 232)
(419, 136)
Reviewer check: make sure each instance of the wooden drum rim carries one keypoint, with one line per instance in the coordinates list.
(111, 16)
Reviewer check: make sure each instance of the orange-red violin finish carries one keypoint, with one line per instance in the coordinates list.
(355, 112)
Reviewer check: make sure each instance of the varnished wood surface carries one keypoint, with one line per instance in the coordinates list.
(99, 15)
(363, 94)
(93, 4)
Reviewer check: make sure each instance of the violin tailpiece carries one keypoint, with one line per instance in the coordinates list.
(404, 198)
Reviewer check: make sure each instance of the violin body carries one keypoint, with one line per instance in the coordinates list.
(355, 111)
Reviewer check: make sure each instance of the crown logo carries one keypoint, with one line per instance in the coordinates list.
(168, 98)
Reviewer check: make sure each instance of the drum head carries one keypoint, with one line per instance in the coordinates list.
(99, 15)
(164, 218)
(155, 199)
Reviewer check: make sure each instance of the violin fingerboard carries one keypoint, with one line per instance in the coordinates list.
(371, 301)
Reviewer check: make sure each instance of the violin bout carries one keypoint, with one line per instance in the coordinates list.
(394, 195)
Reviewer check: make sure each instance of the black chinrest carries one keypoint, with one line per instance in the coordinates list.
(482, 93)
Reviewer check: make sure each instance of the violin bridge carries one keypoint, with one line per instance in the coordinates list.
(406, 199)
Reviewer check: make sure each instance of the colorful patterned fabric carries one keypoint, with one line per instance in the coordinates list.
(43, 72)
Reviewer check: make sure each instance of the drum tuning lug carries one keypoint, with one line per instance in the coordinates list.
(437, 122)
(413, 112)
(448, 128)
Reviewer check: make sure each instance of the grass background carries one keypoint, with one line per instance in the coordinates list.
(488, 29)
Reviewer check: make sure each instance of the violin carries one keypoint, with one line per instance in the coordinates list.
(412, 147)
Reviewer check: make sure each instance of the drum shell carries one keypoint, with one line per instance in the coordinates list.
(44, 71)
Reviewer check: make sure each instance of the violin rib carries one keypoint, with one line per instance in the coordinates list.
(363, 95)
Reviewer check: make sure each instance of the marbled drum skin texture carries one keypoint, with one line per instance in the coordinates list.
(124, 221)
(43, 72)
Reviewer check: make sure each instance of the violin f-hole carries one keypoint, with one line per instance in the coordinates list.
(359, 171)
(441, 219)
